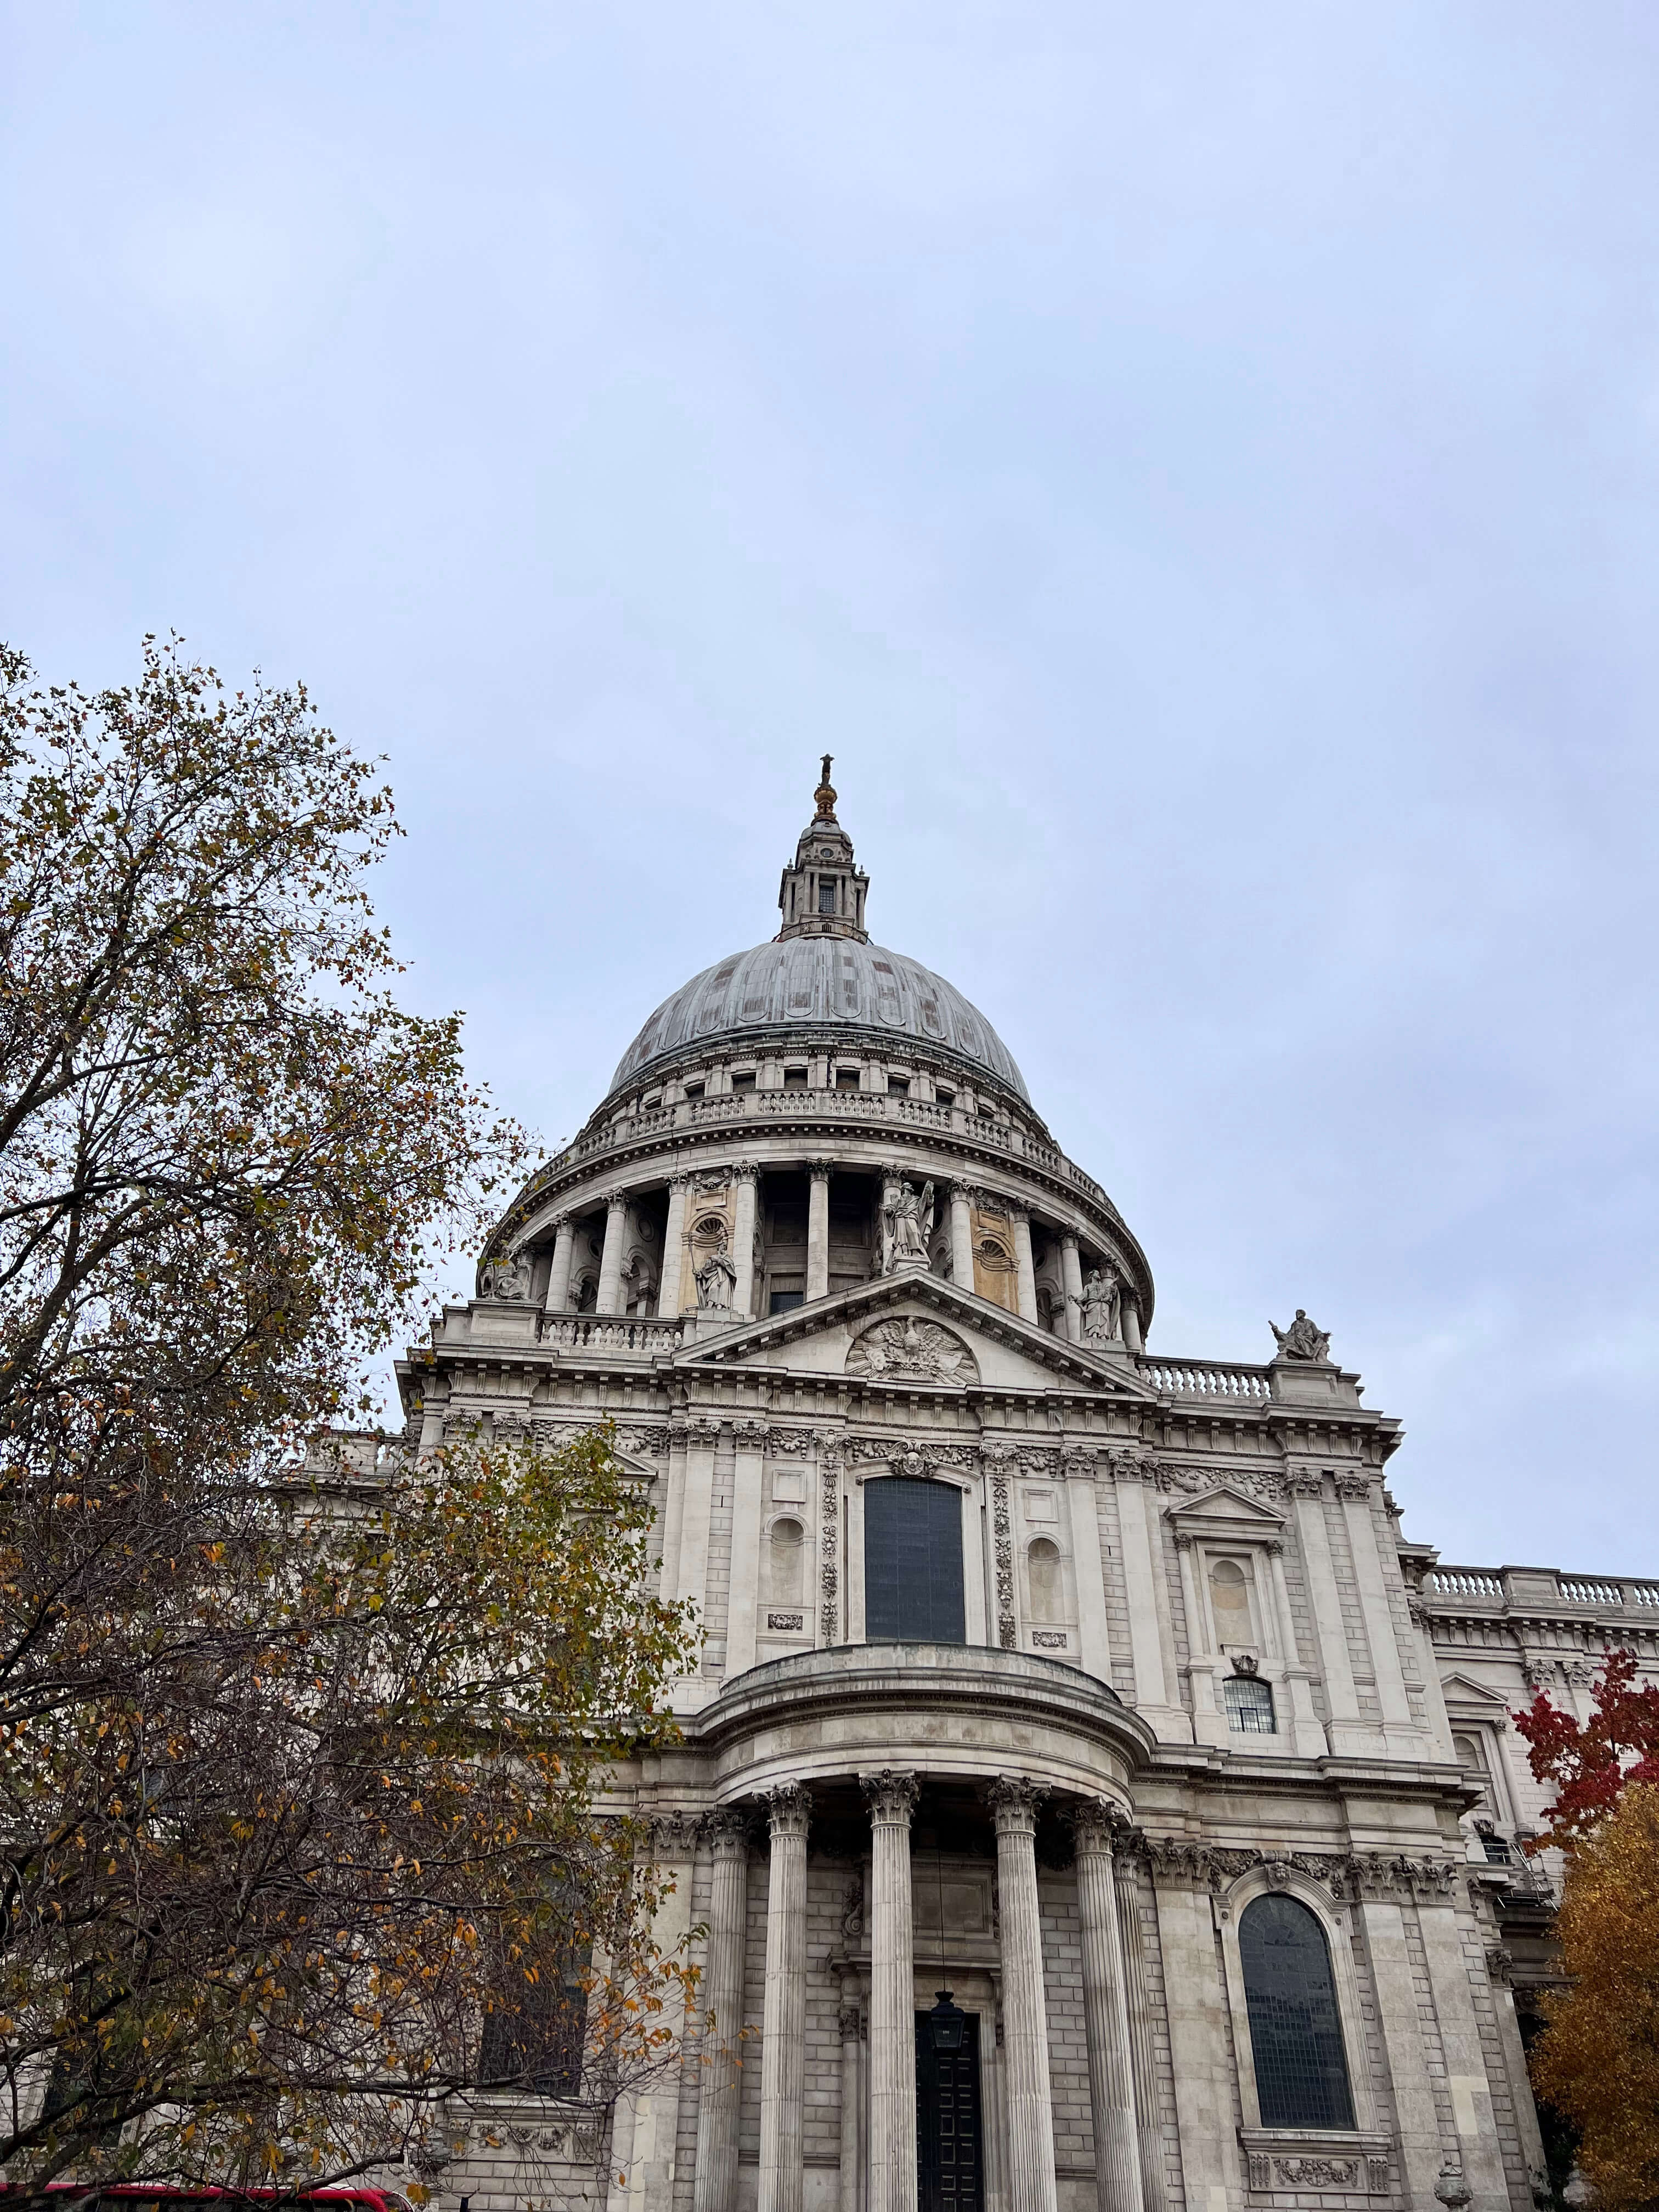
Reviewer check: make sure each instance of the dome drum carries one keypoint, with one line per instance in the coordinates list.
(768, 1111)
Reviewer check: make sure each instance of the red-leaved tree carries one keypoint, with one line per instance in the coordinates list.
(1590, 1762)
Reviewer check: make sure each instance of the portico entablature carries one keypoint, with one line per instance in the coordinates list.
(967, 1712)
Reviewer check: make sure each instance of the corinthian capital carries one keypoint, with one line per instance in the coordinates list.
(789, 1808)
(892, 1797)
(1014, 1803)
(1094, 1826)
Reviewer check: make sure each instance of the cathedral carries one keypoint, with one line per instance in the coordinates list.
(1087, 1799)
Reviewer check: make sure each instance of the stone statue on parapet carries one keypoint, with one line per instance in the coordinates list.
(505, 1278)
(717, 1282)
(907, 1224)
(1101, 1305)
(1302, 1340)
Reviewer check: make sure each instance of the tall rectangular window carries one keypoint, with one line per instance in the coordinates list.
(913, 1588)
(827, 901)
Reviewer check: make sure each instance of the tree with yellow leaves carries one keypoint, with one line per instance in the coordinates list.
(300, 1767)
(1598, 2058)
(1597, 2061)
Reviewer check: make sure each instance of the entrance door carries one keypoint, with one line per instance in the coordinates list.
(950, 2162)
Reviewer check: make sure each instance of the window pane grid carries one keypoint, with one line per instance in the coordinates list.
(913, 1585)
(1249, 1705)
(1296, 2034)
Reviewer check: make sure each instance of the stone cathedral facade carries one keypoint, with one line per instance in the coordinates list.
(1095, 1687)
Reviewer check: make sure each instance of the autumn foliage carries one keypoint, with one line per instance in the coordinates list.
(1592, 1762)
(1597, 2061)
(298, 1763)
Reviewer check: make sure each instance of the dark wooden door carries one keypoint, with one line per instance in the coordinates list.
(950, 2143)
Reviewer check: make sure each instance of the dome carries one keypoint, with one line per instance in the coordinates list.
(836, 981)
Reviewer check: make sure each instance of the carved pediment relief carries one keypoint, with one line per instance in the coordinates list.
(909, 1348)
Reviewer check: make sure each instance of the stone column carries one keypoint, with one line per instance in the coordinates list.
(1138, 2003)
(557, 1299)
(714, 2185)
(1132, 1336)
(1071, 1278)
(1026, 1267)
(849, 2022)
(1106, 2017)
(742, 1245)
(818, 1229)
(783, 2030)
(1031, 2185)
(673, 1248)
(892, 1799)
(962, 1238)
(610, 1297)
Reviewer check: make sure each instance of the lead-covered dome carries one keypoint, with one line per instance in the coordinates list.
(839, 982)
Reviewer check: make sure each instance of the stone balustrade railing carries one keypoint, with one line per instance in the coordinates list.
(757, 1108)
(611, 1332)
(1528, 1589)
(1206, 1378)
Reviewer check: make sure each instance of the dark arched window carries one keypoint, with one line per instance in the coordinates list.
(1296, 2034)
(913, 1561)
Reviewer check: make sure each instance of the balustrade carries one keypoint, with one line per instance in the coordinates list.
(739, 1106)
(1539, 1586)
(1206, 1378)
(610, 1332)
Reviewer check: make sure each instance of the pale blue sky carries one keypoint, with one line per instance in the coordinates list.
(1193, 467)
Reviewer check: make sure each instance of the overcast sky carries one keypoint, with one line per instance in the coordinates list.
(1194, 467)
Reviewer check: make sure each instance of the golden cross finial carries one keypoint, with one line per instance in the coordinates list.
(824, 798)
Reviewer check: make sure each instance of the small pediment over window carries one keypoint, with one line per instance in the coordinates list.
(1463, 1690)
(1224, 1511)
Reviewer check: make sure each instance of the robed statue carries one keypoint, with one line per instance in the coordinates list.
(717, 1282)
(1102, 1304)
(1302, 1340)
(907, 1224)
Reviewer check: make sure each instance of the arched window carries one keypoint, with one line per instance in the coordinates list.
(913, 1561)
(1043, 1570)
(1230, 1600)
(786, 1557)
(1249, 1705)
(1296, 2032)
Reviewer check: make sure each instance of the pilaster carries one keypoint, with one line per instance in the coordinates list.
(673, 1248)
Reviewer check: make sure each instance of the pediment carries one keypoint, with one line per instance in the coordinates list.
(1463, 1690)
(1227, 1511)
(916, 1332)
